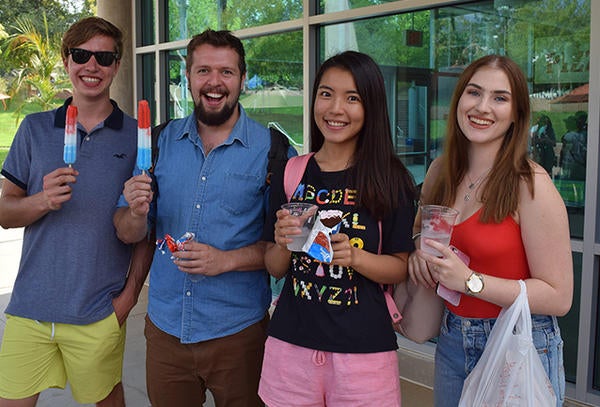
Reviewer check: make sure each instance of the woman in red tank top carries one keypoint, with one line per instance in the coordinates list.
(512, 224)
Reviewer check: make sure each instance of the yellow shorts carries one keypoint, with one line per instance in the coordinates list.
(35, 356)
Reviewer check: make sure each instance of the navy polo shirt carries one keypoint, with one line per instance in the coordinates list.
(72, 263)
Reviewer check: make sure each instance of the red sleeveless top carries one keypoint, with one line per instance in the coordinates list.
(495, 249)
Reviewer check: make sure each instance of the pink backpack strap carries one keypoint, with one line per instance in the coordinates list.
(292, 175)
(388, 290)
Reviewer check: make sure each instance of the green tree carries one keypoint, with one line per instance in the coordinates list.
(385, 39)
(3, 61)
(276, 59)
(59, 13)
(40, 76)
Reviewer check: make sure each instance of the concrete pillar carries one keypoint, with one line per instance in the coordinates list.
(118, 12)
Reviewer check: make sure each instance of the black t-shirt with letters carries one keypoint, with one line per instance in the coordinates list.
(328, 307)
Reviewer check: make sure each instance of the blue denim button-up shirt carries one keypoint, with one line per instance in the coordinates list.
(220, 197)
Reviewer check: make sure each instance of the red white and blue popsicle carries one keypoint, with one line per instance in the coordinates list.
(144, 147)
(70, 149)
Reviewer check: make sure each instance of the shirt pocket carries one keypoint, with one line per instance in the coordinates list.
(242, 193)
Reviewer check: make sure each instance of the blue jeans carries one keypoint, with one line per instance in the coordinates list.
(461, 343)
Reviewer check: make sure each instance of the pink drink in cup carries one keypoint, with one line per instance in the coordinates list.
(436, 224)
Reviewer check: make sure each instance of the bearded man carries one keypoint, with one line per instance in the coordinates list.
(208, 303)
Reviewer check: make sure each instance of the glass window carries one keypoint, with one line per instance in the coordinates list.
(180, 100)
(145, 35)
(422, 54)
(551, 44)
(273, 90)
(408, 79)
(596, 377)
(569, 324)
(329, 6)
(148, 79)
(187, 18)
(560, 74)
(272, 93)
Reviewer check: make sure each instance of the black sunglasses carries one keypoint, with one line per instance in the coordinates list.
(104, 58)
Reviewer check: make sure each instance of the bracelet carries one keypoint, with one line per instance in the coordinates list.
(416, 236)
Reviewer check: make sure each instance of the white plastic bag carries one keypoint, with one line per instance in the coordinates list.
(509, 372)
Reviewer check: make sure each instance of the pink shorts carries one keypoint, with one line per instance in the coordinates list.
(301, 377)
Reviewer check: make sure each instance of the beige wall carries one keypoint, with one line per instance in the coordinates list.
(118, 12)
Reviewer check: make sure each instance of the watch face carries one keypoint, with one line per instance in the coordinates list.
(475, 283)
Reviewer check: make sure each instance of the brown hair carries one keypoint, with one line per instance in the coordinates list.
(88, 28)
(500, 194)
(217, 39)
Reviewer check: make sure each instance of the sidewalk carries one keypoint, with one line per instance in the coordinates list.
(134, 376)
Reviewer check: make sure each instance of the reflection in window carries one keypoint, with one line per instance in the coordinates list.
(273, 89)
(569, 324)
(148, 79)
(569, 171)
(180, 100)
(338, 37)
(187, 18)
(329, 6)
(421, 55)
(146, 28)
(596, 377)
(552, 48)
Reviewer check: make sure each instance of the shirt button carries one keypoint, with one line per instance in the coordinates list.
(203, 178)
(188, 293)
(87, 138)
(197, 206)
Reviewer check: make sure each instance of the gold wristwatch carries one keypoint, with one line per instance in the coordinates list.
(474, 284)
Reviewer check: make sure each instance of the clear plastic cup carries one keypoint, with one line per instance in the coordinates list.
(437, 223)
(307, 213)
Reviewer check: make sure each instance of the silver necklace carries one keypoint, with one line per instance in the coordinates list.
(473, 184)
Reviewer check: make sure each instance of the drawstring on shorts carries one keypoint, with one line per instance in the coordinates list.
(53, 329)
(318, 358)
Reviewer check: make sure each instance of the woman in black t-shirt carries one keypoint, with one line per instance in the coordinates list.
(331, 340)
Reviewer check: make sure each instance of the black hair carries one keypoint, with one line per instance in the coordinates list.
(381, 179)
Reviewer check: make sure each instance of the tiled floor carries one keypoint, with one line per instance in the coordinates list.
(134, 379)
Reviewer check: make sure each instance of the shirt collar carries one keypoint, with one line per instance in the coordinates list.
(113, 121)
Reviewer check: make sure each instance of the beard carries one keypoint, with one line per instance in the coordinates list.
(214, 118)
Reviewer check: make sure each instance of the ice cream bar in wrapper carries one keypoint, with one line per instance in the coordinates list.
(318, 244)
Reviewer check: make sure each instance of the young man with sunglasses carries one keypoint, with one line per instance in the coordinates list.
(72, 295)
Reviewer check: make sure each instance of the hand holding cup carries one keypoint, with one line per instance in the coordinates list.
(306, 214)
